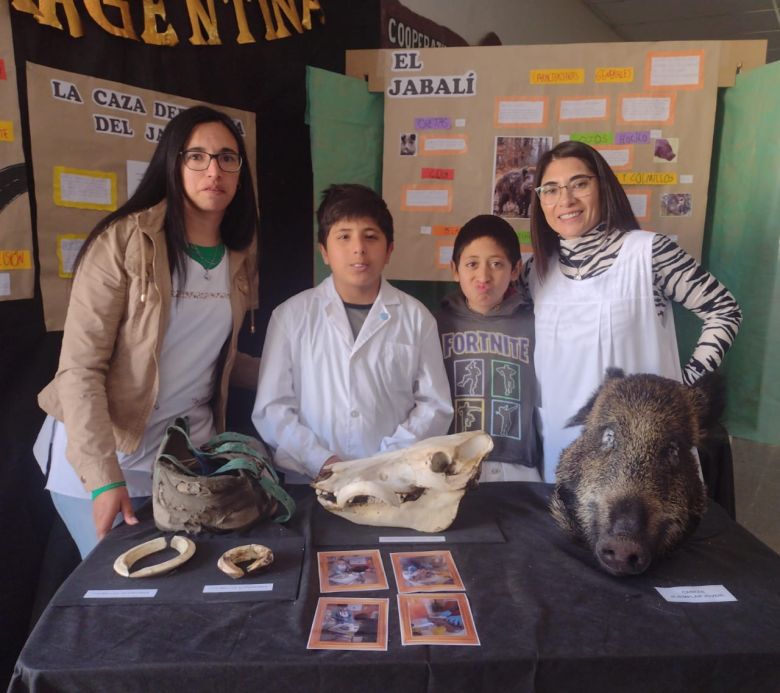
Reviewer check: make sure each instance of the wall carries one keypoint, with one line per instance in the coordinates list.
(517, 22)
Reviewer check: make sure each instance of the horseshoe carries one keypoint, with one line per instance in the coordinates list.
(227, 561)
(123, 564)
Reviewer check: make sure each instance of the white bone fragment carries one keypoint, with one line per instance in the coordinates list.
(123, 564)
(227, 561)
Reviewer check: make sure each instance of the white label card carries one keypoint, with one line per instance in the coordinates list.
(697, 594)
(412, 540)
(120, 594)
(135, 171)
(677, 71)
(69, 249)
(5, 284)
(85, 189)
(520, 112)
(427, 198)
(220, 589)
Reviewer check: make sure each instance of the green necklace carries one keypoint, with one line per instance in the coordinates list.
(207, 256)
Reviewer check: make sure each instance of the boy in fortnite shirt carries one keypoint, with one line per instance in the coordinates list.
(487, 338)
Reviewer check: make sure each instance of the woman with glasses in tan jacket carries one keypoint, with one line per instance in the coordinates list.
(160, 291)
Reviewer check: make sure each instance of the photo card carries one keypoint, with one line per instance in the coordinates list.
(425, 571)
(351, 571)
(438, 618)
(514, 169)
(349, 623)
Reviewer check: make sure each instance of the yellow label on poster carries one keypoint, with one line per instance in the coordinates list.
(75, 187)
(614, 75)
(15, 260)
(646, 178)
(569, 76)
(68, 247)
(6, 131)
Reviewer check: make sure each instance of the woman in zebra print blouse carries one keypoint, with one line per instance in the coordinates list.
(602, 291)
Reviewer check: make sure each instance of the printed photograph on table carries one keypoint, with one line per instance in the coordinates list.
(436, 619)
(425, 571)
(350, 571)
(349, 624)
(513, 174)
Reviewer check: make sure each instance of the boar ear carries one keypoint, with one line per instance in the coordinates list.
(708, 395)
(579, 418)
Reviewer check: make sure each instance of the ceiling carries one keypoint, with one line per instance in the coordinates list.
(690, 20)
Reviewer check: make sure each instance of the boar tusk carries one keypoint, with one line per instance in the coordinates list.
(262, 555)
(123, 564)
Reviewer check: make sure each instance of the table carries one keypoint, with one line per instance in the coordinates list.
(548, 620)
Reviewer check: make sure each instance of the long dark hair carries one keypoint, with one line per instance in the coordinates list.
(162, 180)
(615, 210)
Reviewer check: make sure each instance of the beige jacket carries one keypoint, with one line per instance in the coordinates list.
(107, 381)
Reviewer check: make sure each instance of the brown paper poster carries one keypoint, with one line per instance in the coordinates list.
(465, 127)
(91, 142)
(17, 271)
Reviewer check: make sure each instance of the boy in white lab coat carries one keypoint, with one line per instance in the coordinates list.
(352, 367)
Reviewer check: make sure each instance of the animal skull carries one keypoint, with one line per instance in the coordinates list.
(418, 487)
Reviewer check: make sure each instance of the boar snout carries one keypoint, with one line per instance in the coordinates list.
(623, 550)
(622, 555)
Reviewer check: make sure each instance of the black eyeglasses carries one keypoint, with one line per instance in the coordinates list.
(197, 160)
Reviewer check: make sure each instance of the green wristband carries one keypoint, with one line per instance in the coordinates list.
(107, 487)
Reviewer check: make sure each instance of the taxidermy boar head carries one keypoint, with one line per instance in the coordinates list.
(418, 487)
(629, 486)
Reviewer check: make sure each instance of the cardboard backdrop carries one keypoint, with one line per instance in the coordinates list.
(112, 131)
(464, 128)
(17, 271)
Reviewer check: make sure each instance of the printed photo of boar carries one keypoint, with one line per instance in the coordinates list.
(513, 173)
(629, 487)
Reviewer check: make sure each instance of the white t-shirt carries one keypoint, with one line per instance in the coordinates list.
(199, 322)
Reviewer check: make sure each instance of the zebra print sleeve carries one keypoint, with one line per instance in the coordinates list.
(680, 278)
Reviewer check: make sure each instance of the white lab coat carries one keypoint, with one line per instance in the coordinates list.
(322, 392)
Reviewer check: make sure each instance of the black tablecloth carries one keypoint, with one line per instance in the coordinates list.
(548, 620)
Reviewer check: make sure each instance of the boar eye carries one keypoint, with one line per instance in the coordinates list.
(608, 439)
(672, 451)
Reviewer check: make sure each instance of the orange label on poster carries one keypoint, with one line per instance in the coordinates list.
(674, 70)
(570, 76)
(438, 230)
(426, 198)
(15, 260)
(6, 131)
(614, 75)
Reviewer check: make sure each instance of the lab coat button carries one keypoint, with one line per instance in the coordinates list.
(354, 414)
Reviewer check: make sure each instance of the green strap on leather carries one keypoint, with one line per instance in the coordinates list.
(243, 456)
